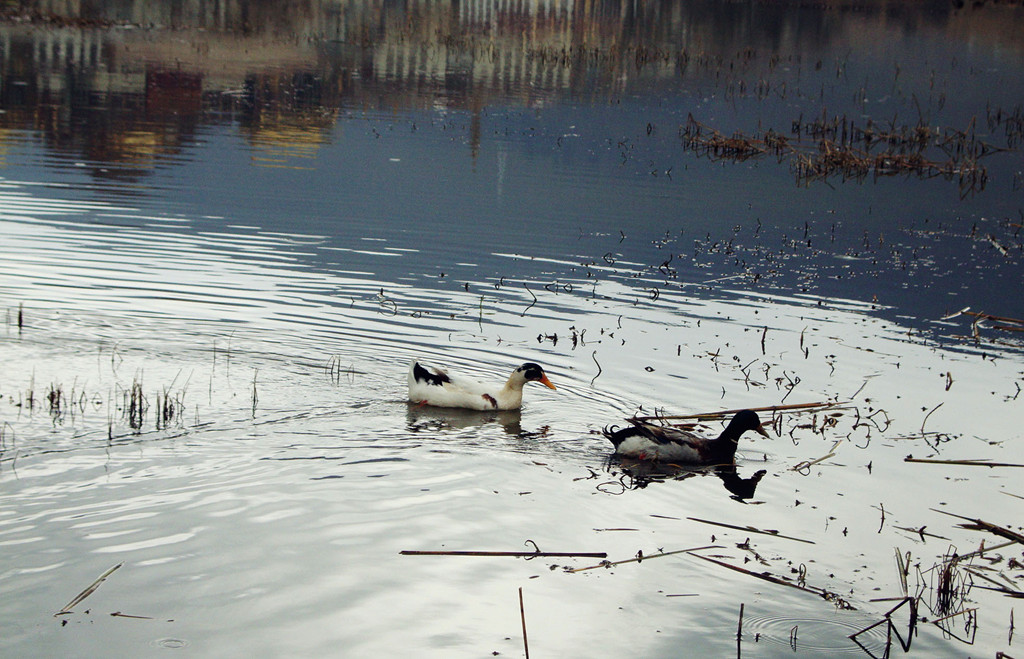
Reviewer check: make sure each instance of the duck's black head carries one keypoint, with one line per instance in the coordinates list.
(744, 421)
(534, 373)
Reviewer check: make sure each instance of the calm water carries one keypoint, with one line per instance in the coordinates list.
(248, 224)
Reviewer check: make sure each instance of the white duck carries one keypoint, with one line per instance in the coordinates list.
(430, 385)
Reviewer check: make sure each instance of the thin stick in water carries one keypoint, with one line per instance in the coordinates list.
(255, 397)
(981, 525)
(517, 554)
(721, 413)
(522, 616)
(928, 415)
(739, 632)
(88, 591)
(750, 529)
(645, 558)
(532, 303)
(980, 462)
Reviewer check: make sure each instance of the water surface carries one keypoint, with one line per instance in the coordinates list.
(249, 225)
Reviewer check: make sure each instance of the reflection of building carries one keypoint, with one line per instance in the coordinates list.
(161, 68)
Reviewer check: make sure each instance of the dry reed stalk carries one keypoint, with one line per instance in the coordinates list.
(517, 554)
(952, 615)
(713, 415)
(641, 558)
(764, 576)
(980, 462)
(739, 631)
(88, 591)
(987, 316)
(522, 617)
(751, 529)
(808, 464)
(981, 525)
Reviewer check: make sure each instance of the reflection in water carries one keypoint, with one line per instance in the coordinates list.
(426, 418)
(284, 76)
(642, 473)
(741, 488)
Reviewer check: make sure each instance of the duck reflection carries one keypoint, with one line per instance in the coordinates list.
(427, 418)
(644, 472)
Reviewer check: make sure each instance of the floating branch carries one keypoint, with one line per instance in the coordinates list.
(981, 525)
(517, 554)
(987, 316)
(928, 415)
(751, 529)
(887, 620)
(529, 306)
(983, 550)
(806, 465)
(88, 591)
(640, 557)
(952, 615)
(821, 592)
(1005, 588)
(723, 413)
(967, 463)
(739, 631)
(921, 533)
(118, 614)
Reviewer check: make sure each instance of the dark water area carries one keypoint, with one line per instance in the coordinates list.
(226, 229)
(457, 116)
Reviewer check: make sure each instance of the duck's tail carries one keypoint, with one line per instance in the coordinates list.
(618, 435)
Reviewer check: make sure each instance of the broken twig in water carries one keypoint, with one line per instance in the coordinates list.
(640, 558)
(952, 615)
(981, 462)
(981, 525)
(806, 465)
(987, 316)
(751, 529)
(118, 614)
(517, 554)
(891, 628)
(983, 550)
(722, 413)
(832, 597)
(928, 415)
(739, 631)
(88, 591)
(522, 616)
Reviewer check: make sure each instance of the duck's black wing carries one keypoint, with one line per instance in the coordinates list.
(435, 377)
(657, 434)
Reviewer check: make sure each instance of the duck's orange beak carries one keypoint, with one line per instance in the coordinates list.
(545, 381)
(761, 431)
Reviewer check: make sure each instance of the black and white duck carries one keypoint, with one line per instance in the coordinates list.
(431, 385)
(647, 441)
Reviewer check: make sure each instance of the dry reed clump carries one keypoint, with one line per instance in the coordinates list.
(830, 147)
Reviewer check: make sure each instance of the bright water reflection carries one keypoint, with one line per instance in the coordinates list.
(254, 245)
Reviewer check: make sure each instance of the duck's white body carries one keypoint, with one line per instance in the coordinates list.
(430, 385)
(677, 446)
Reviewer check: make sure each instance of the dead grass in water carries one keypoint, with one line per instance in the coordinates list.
(836, 147)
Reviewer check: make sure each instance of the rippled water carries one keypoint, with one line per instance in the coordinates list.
(256, 263)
